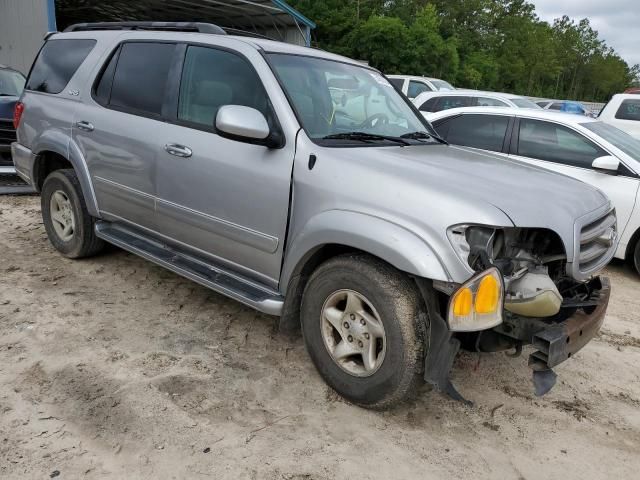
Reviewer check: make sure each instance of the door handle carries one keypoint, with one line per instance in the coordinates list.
(178, 150)
(86, 126)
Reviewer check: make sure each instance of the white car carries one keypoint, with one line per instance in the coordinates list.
(436, 101)
(623, 111)
(581, 147)
(412, 86)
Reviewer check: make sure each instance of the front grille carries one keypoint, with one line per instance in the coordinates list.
(7, 132)
(598, 239)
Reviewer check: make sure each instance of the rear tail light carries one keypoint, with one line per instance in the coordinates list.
(17, 114)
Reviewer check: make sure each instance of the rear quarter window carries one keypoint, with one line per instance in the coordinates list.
(57, 62)
(629, 110)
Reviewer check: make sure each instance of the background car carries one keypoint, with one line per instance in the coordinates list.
(567, 106)
(581, 147)
(623, 111)
(11, 86)
(437, 101)
(412, 86)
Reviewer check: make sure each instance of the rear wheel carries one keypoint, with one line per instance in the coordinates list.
(636, 257)
(69, 226)
(363, 326)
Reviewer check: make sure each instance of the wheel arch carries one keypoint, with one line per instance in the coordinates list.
(338, 232)
(54, 154)
(631, 246)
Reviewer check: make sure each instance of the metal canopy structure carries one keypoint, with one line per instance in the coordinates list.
(272, 18)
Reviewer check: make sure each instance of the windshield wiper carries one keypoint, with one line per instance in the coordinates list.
(422, 135)
(365, 137)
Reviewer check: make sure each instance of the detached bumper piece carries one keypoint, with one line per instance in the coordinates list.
(560, 341)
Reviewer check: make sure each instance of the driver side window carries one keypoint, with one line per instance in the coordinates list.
(213, 78)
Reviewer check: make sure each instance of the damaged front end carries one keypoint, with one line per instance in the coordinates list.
(540, 302)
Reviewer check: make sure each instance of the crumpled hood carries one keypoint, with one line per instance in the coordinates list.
(530, 196)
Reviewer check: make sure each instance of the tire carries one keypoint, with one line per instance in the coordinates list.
(62, 189)
(636, 257)
(385, 294)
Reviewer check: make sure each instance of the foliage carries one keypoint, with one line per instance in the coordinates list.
(485, 44)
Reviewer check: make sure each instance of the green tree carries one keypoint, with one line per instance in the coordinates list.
(486, 44)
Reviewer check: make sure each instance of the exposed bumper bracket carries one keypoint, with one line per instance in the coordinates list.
(559, 342)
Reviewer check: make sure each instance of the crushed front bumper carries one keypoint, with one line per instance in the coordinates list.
(558, 342)
(555, 341)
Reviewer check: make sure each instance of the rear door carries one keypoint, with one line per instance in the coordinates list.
(564, 150)
(118, 129)
(226, 199)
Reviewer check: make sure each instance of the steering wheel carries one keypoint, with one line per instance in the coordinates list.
(375, 120)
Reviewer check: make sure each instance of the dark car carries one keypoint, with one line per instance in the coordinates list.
(11, 85)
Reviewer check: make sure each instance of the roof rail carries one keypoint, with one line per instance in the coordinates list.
(244, 33)
(165, 26)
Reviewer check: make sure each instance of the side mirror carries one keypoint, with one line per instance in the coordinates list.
(607, 164)
(244, 124)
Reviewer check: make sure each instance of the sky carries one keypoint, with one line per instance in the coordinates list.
(617, 21)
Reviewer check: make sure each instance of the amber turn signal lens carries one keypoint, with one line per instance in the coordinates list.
(463, 303)
(488, 295)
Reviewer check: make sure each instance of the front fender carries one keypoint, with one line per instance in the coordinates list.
(60, 143)
(386, 240)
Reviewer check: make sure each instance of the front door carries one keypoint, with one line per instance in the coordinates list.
(226, 199)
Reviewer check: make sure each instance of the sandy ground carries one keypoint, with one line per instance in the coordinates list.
(113, 367)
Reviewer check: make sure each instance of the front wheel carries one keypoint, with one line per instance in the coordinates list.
(364, 327)
(636, 257)
(69, 226)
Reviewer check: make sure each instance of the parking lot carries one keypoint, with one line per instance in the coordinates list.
(112, 365)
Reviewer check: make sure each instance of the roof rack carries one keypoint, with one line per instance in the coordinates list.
(244, 33)
(164, 26)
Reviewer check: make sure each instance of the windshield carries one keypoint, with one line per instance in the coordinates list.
(616, 137)
(524, 103)
(333, 99)
(442, 85)
(11, 83)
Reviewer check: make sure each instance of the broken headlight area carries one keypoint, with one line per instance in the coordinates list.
(543, 306)
(532, 262)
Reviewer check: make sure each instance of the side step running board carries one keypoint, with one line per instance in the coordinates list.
(216, 278)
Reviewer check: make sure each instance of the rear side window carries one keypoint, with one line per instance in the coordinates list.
(629, 110)
(429, 105)
(445, 103)
(479, 131)
(141, 77)
(57, 62)
(555, 106)
(416, 88)
(490, 102)
(397, 82)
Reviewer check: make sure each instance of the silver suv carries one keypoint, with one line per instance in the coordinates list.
(304, 185)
